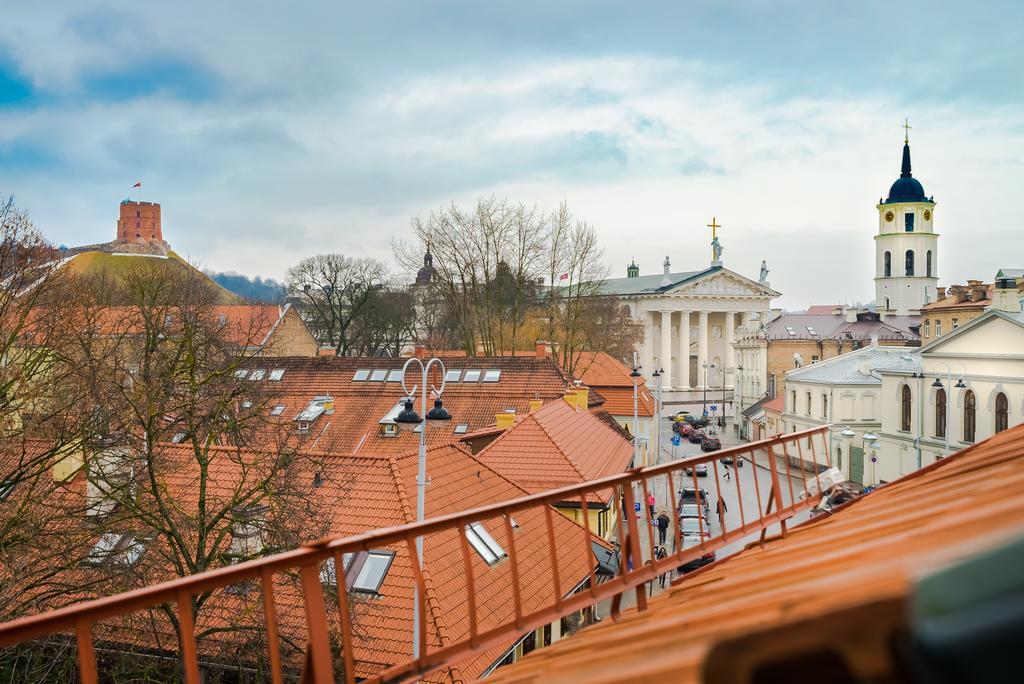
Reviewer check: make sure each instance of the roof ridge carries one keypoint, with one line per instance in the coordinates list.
(561, 449)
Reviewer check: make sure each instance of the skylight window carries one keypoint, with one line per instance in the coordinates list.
(461, 429)
(471, 376)
(790, 330)
(453, 375)
(811, 330)
(241, 373)
(361, 375)
(178, 437)
(484, 544)
(246, 404)
(378, 375)
(371, 575)
(120, 549)
(395, 375)
(5, 490)
(492, 375)
(277, 410)
(277, 374)
(257, 374)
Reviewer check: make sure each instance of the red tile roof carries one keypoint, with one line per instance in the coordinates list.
(555, 446)
(354, 427)
(611, 378)
(778, 404)
(867, 552)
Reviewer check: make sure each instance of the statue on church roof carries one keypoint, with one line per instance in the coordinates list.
(716, 251)
(764, 272)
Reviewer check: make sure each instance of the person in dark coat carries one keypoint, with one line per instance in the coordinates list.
(663, 522)
(722, 508)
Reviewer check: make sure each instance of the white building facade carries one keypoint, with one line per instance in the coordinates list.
(971, 387)
(690, 321)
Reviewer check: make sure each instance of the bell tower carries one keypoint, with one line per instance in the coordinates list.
(906, 246)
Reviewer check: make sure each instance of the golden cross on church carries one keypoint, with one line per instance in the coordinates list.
(714, 226)
(906, 131)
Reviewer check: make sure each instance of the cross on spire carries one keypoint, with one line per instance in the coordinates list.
(906, 131)
(714, 228)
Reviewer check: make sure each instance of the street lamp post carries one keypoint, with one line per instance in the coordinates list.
(959, 385)
(635, 377)
(409, 416)
(658, 373)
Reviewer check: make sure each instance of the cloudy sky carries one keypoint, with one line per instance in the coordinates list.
(270, 131)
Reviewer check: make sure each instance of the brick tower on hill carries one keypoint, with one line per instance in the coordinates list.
(139, 223)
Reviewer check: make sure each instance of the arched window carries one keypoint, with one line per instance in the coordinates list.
(940, 413)
(905, 409)
(928, 263)
(1002, 412)
(970, 411)
(910, 262)
(887, 268)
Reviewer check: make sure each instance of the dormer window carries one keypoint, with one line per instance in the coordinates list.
(247, 531)
(116, 549)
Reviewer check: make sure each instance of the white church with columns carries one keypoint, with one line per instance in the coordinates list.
(690, 321)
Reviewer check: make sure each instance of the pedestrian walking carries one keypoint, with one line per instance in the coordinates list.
(650, 504)
(663, 522)
(728, 471)
(722, 508)
(658, 555)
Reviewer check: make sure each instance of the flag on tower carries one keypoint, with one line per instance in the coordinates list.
(564, 276)
(138, 184)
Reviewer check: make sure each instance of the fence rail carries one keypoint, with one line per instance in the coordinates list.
(765, 495)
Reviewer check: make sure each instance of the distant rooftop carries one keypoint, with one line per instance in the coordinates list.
(859, 367)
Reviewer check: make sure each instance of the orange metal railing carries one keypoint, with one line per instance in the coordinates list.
(765, 493)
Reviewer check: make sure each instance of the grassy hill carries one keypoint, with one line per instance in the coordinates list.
(116, 265)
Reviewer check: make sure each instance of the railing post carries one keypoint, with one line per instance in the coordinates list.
(86, 654)
(776, 493)
(319, 653)
(634, 544)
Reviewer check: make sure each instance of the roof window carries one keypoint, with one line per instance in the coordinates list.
(453, 375)
(277, 410)
(361, 375)
(364, 571)
(378, 375)
(277, 374)
(395, 375)
(461, 429)
(5, 489)
(257, 374)
(471, 376)
(178, 437)
(790, 330)
(484, 544)
(241, 373)
(492, 375)
(115, 549)
(811, 330)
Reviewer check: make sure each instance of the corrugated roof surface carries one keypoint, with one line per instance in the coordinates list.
(848, 369)
(870, 550)
(555, 446)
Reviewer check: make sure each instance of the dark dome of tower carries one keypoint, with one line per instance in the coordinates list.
(906, 188)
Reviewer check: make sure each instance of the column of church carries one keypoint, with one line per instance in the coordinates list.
(702, 347)
(730, 337)
(646, 360)
(683, 354)
(665, 360)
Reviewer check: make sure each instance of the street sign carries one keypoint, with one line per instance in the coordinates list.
(636, 507)
(676, 440)
(713, 408)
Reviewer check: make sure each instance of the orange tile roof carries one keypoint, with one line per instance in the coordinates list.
(558, 445)
(359, 405)
(778, 404)
(868, 551)
(356, 494)
(611, 378)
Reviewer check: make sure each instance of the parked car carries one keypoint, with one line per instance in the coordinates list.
(690, 541)
(710, 443)
(696, 421)
(700, 468)
(692, 510)
(694, 496)
(728, 460)
(695, 436)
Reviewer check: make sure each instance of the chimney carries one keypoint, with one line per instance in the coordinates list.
(1005, 296)
(979, 292)
(542, 349)
(582, 399)
(940, 294)
(874, 339)
(420, 351)
(850, 314)
(535, 404)
(503, 421)
(326, 351)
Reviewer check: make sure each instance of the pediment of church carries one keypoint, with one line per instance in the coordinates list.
(725, 283)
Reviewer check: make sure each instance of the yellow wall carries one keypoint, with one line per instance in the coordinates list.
(602, 522)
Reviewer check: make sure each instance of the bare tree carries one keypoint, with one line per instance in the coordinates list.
(334, 292)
